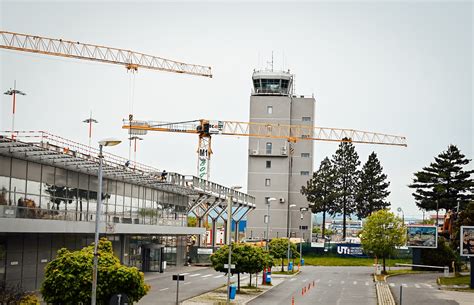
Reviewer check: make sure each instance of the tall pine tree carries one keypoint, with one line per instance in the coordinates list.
(321, 191)
(345, 162)
(371, 188)
(444, 184)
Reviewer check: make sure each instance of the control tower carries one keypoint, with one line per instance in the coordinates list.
(276, 168)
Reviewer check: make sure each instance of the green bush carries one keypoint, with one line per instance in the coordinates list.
(68, 278)
(443, 255)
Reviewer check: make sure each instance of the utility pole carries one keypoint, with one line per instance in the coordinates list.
(230, 201)
(13, 92)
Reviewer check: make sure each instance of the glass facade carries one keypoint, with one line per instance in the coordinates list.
(46, 192)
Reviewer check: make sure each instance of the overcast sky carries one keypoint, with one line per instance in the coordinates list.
(399, 68)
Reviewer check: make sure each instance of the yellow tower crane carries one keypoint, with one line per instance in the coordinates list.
(292, 133)
(75, 49)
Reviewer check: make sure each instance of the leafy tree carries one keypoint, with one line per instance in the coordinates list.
(192, 221)
(345, 162)
(246, 258)
(278, 249)
(382, 232)
(444, 183)
(68, 278)
(371, 188)
(14, 294)
(321, 190)
(464, 218)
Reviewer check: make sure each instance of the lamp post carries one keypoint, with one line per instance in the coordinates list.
(89, 121)
(229, 236)
(105, 142)
(267, 221)
(13, 92)
(303, 210)
(399, 209)
(289, 234)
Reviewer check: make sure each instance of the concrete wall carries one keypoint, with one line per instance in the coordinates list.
(285, 110)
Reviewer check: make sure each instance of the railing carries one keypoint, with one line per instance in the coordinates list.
(8, 211)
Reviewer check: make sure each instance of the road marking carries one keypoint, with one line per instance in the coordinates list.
(186, 273)
(342, 282)
(196, 274)
(329, 285)
(366, 283)
(417, 286)
(164, 289)
(207, 275)
(292, 280)
(354, 282)
(218, 276)
(404, 285)
(304, 280)
(187, 283)
(392, 285)
(317, 281)
(428, 285)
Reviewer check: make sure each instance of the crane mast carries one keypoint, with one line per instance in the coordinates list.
(292, 133)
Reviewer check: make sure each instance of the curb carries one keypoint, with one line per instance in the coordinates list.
(384, 294)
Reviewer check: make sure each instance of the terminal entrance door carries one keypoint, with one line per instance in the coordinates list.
(152, 258)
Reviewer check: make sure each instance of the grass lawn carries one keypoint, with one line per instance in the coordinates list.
(348, 261)
(458, 280)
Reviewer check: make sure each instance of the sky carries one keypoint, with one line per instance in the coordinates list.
(402, 68)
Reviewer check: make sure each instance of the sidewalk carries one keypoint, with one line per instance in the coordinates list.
(245, 295)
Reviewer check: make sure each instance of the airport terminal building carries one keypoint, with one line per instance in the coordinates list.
(48, 200)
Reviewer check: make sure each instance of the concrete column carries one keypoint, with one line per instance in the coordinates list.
(236, 232)
(199, 223)
(213, 232)
(225, 232)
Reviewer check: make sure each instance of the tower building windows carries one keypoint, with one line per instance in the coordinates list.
(268, 164)
(268, 182)
(269, 109)
(268, 148)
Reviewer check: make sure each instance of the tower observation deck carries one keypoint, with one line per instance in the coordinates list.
(269, 82)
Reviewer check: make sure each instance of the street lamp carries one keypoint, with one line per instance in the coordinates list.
(229, 236)
(302, 211)
(13, 92)
(105, 142)
(267, 220)
(289, 234)
(399, 209)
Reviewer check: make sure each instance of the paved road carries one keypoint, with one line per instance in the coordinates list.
(422, 289)
(196, 281)
(333, 285)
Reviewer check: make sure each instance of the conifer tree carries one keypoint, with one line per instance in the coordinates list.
(371, 188)
(345, 162)
(321, 191)
(444, 184)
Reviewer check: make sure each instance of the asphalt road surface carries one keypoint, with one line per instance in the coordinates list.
(196, 282)
(333, 285)
(422, 289)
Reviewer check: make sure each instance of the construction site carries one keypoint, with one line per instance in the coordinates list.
(51, 183)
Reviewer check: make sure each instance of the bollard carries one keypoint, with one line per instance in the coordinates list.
(313, 283)
(302, 291)
(309, 286)
(446, 271)
(401, 294)
(292, 300)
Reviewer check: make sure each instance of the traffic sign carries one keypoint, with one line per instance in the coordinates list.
(232, 266)
(178, 277)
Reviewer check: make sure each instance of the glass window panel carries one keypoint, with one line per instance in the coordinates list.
(268, 147)
(19, 169)
(34, 178)
(4, 180)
